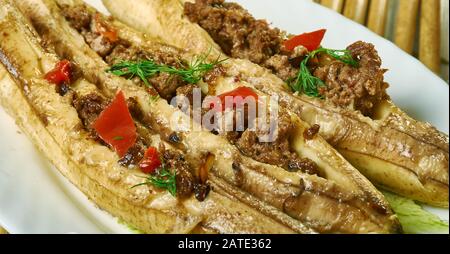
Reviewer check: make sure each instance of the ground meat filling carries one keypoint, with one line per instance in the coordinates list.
(242, 36)
(279, 151)
(164, 83)
(135, 154)
(360, 88)
(114, 52)
(78, 16)
(235, 30)
(89, 108)
(255, 40)
(185, 180)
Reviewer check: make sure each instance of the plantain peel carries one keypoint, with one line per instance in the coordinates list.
(54, 127)
(391, 149)
(295, 200)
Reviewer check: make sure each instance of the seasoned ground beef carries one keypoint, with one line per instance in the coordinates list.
(201, 191)
(135, 109)
(242, 36)
(185, 180)
(164, 83)
(78, 16)
(124, 52)
(277, 152)
(80, 19)
(89, 108)
(98, 43)
(235, 30)
(360, 88)
(211, 77)
(135, 154)
(281, 66)
(188, 92)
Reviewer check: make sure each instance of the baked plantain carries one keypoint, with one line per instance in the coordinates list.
(393, 150)
(52, 123)
(354, 205)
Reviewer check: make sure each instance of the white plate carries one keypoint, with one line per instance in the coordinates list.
(35, 198)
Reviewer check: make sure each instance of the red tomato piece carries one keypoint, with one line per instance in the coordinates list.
(242, 92)
(151, 161)
(115, 125)
(60, 74)
(311, 41)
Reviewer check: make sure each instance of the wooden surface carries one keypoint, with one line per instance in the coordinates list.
(430, 34)
(336, 5)
(378, 11)
(406, 24)
(416, 26)
(356, 10)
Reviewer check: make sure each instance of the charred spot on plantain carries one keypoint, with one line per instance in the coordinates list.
(175, 138)
(43, 118)
(238, 174)
(62, 89)
(134, 155)
(135, 109)
(378, 206)
(201, 191)
(291, 201)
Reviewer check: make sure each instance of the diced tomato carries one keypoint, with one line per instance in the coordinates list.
(239, 94)
(115, 125)
(104, 29)
(60, 74)
(151, 161)
(311, 41)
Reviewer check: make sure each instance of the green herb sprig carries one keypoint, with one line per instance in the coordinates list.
(145, 69)
(118, 138)
(163, 179)
(307, 83)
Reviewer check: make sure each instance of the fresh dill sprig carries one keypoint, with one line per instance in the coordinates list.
(342, 55)
(142, 69)
(145, 69)
(197, 69)
(162, 179)
(117, 138)
(307, 83)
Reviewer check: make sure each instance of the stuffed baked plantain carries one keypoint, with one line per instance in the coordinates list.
(292, 198)
(56, 117)
(353, 109)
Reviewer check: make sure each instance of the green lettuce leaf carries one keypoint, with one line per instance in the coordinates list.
(414, 218)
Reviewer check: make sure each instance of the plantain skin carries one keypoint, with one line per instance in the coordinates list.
(392, 150)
